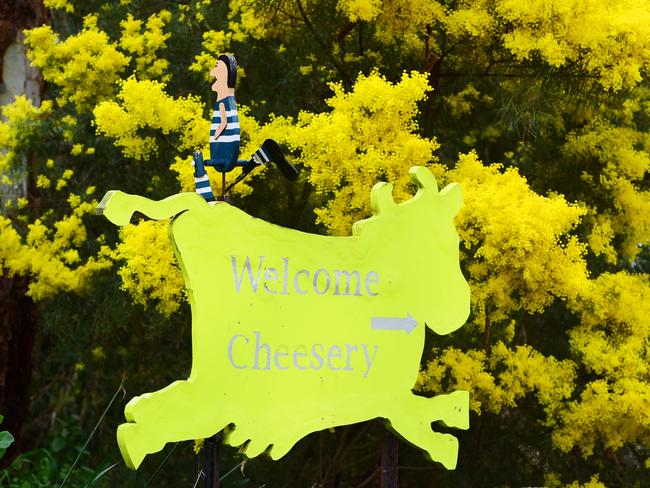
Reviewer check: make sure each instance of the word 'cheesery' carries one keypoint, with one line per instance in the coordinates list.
(249, 353)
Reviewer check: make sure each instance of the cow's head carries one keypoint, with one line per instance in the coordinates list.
(427, 251)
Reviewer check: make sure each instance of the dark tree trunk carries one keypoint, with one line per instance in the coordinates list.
(17, 310)
(17, 330)
(16, 15)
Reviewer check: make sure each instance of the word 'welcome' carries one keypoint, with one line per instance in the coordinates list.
(321, 281)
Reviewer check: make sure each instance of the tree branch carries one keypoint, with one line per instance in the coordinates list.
(319, 40)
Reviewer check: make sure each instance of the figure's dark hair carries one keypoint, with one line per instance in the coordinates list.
(231, 64)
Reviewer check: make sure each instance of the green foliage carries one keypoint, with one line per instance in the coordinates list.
(46, 466)
(6, 439)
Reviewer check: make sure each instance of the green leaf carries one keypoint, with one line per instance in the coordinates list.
(58, 444)
(5, 439)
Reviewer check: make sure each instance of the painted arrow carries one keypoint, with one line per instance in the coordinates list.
(407, 324)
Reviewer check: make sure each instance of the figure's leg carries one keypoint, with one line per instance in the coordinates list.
(412, 420)
(269, 152)
(201, 180)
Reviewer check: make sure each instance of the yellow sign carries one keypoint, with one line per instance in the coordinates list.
(294, 333)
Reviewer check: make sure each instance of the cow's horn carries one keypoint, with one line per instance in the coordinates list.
(423, 178)
(381, 198)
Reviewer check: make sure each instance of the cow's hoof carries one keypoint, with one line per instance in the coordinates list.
(131, 445)
(235, 437)
(254, 448)
(279, 450)
(445, 451)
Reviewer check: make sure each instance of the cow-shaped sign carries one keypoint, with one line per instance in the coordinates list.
(293, 333)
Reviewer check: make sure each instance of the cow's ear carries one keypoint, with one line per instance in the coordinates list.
(452, 196)
(381, 198)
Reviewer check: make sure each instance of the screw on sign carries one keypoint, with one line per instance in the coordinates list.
(294, 333)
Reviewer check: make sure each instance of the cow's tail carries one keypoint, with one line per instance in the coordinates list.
(119, 207)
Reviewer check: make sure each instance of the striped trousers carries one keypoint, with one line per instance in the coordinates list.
(201, 180)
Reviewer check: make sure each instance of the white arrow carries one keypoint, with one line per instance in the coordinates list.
(407, 324)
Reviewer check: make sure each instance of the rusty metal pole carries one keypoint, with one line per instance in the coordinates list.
(389, 461)
(211, 466)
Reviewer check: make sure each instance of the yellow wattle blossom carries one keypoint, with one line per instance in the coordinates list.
(521, 371)
(62, 182)
(601, 236)
(515, 239)
(150, 271)
(20, 124)
(369, 133)
(618, 162)
(98, 353)
(461, 102)
(144, 104)
(43, 181)
(610, 43)
(402, 22)
(245, 21)
(611, 344)
(355, 10)
(85, 66)
(469, 20)
(144, 44)
(552, 480)
(49, 254)
(198, 445)
(59, 5)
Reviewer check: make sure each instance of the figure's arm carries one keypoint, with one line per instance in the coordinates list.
(222, 124)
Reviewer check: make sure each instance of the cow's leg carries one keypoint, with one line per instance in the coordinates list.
(280, 444)
(149, 405)
(258, 435)
(177, 412)
(412, 420)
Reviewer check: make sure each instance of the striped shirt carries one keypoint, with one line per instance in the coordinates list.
(231, 132)
(225, 150)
